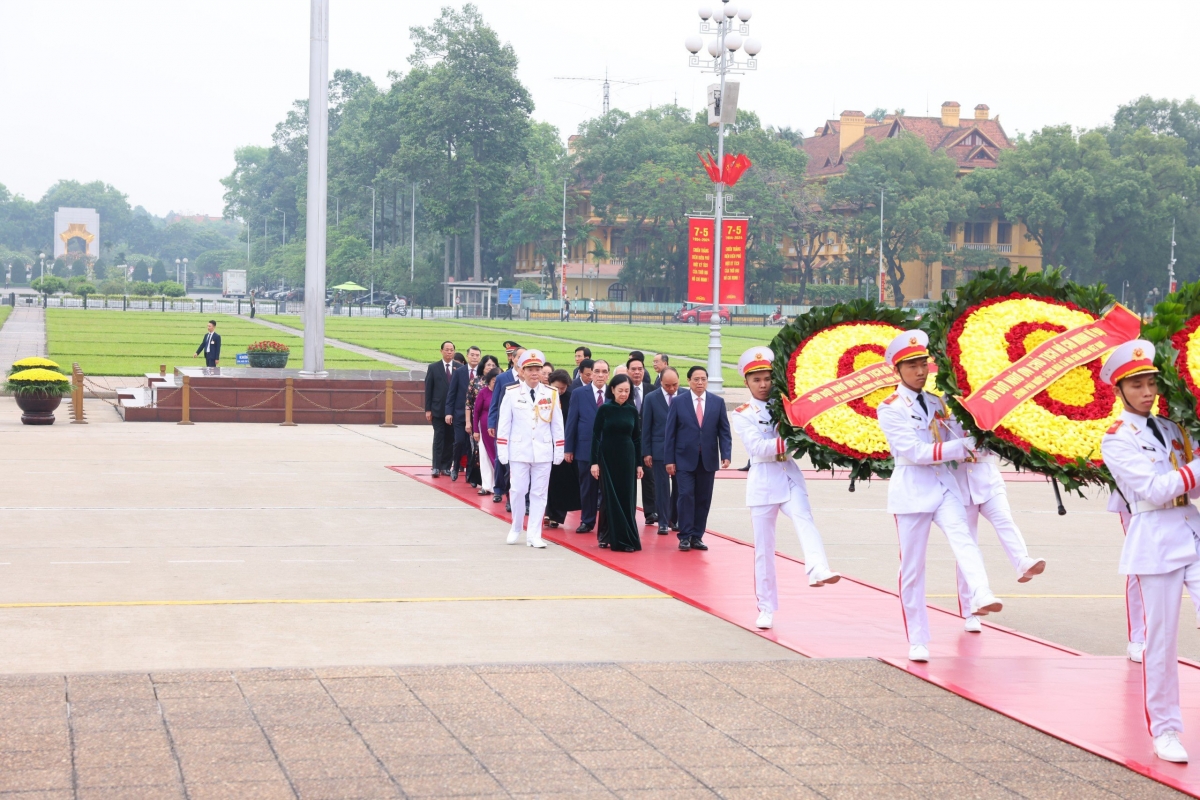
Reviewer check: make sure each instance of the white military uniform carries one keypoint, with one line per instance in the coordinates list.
(775, 484)
(924, 489)
(984, 493)
(529, 438)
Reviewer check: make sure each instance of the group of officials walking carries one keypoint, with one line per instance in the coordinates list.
(617, 430)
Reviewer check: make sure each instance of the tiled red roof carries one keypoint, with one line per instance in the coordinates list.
(825, 156)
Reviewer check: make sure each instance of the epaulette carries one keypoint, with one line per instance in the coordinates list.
(1116, 426)
(741, 408)
(891, 398)
(512, 386)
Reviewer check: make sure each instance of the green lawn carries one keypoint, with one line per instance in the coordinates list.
(5, 311)
(136, 342)
(419, 340)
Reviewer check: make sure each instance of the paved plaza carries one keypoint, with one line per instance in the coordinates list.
(250, 611)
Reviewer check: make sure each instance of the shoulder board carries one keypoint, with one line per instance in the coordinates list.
(1116, 426)
(512, 386)
(741, 408)
(891, 398)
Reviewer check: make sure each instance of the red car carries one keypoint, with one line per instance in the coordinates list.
(698, 314)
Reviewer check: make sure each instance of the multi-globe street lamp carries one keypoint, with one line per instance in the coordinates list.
(184, 264)
(729, 23)
(42, 259)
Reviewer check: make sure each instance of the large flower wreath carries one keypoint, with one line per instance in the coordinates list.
(997, 319)
(1175, 332)
(819, 347)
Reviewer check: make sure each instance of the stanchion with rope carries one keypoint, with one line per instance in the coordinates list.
(186, 404)
(387, 405)
(77, 417)
(287, 405)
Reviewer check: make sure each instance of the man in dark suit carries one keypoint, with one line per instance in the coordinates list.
(437, 384)
(583, 375)
(580, 418)
(659, 364)
(635, 368)
(210, 345)
(507, 378)
(580, 354)
(694, 449)
(456, 409)
(655, 408)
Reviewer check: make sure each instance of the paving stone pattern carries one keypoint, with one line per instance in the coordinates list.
(794, 729)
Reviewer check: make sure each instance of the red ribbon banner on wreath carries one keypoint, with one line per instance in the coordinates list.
(1036, 370)
(858, 384)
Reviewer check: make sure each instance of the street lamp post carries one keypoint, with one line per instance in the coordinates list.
(729, 23)
(372, 188)
(178, 264)
(42, 259)
(318, 186)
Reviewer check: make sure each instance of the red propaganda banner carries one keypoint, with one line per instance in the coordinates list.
(733, 261)
(1036, 370)
(700, 260)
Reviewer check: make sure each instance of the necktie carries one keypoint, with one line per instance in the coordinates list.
(599, 397)
(921, 400)
(669, 398)
(637, 399)
(700, 411)
(1154, 429)
(532, 395)
(447, 371)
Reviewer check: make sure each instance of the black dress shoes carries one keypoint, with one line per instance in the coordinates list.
(698, 545)
(675, 527)
(603, 545)
(685, 544)
(434, 473)
(453, 473)
(584, 529)
(507, 504)
(652, 519)
(662, 530)
(497, 498)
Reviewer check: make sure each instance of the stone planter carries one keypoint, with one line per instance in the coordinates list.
(38, 408)
(268, 360)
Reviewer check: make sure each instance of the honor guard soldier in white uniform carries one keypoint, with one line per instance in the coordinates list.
(1152, 464)
(924, 489)
(774, 484)
(984, 493)
(529, 439)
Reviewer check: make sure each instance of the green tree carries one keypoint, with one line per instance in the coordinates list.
(1166, 117)
(141, 272)
(51, 284)
(921, 191)
(159, 273)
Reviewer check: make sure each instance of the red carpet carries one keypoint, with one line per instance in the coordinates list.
(1092, 702)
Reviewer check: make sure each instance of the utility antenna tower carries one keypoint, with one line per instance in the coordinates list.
(606, 83)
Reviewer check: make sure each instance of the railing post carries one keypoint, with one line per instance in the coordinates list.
(77, 395)
(186, 404)
(162, 369)
(287, 404)
(387, 405)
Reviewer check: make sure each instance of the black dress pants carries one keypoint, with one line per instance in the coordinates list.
(443, 443)
(695, 498)
(589, 493)
(666, 494)
(462, 442)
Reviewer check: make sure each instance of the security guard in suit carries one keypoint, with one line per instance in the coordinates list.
(529, 439)
(985, 495)
(1152, 463)
(925, 442)
(774, 484)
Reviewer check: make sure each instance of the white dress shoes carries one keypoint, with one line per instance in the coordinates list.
(1168, 748)
(972, 624)
(990, 605)
(918, 652)
(1134, 650)
(764, 620)
(822, 577)
(513, 537)
(536, 541)
(1031, 567)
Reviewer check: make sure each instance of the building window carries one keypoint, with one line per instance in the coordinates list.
(1004, 233)
(616, 291)
(977, 232)
(972, 140)
(951, 229)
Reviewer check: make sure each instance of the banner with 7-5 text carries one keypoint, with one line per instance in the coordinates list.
(700, 260)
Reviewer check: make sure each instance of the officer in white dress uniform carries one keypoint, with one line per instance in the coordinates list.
(774, 484)
(924, 489)
(983, 491)
(1151, 462)
(529, 439)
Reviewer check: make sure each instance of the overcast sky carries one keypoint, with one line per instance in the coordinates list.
(153, 97)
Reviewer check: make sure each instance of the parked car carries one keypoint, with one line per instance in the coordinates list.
(697, 314)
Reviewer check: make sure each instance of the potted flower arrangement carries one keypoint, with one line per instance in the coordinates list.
(38, 386)
(268, 354)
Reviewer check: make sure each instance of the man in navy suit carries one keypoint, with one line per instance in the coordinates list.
(581, 416)
(506, 379)
(655, 409)
(697, 433)
(456, 406)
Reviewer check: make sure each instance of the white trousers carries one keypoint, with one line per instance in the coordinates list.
(1161, 598)
(999, 514)
(486, 476)
(533, 478)
(1135, 614)
(913, 530)
(798, 510)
